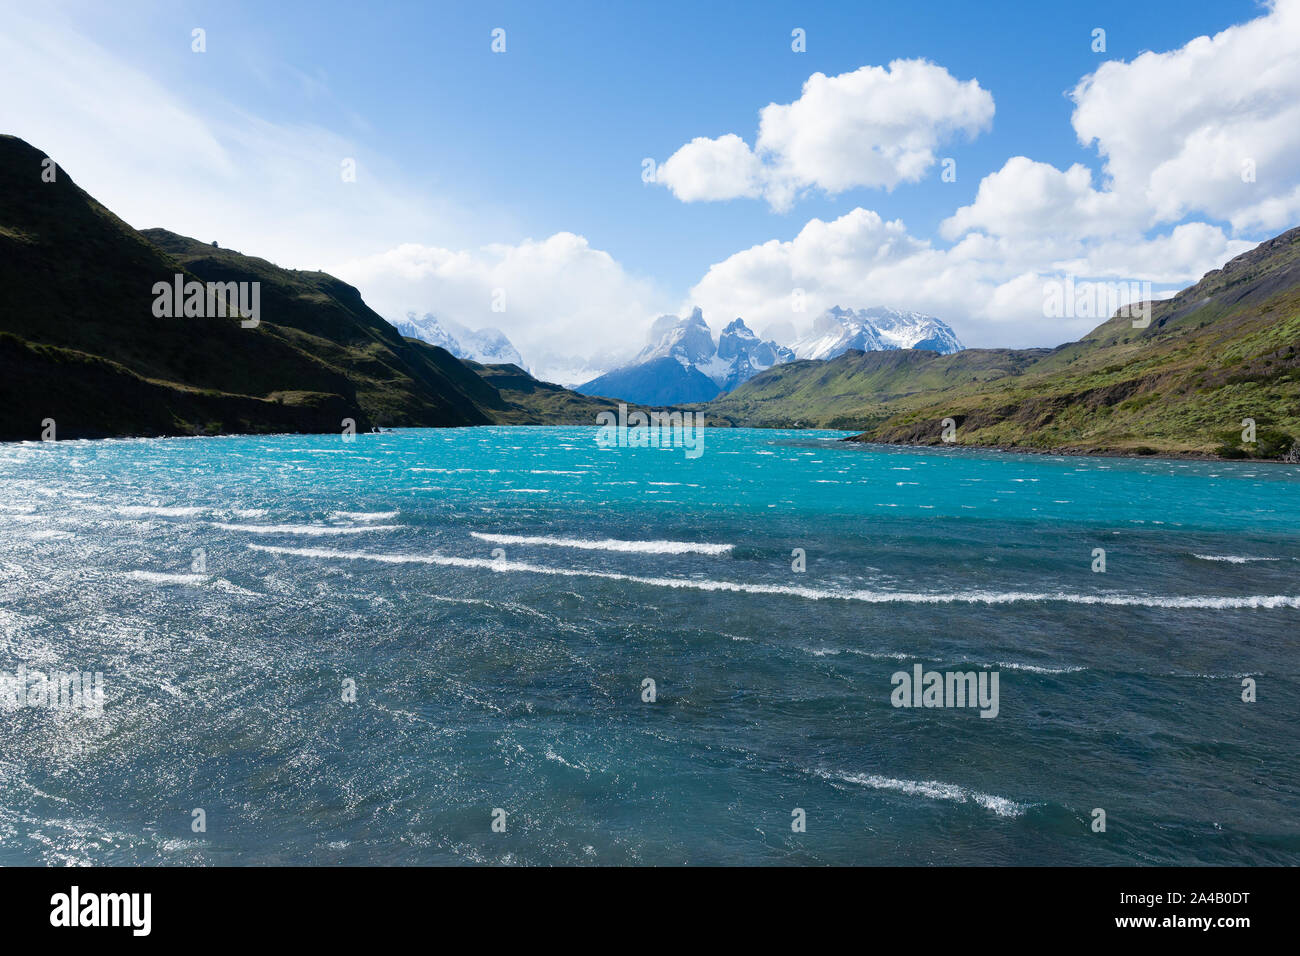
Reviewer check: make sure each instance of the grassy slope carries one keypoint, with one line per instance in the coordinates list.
(1222, 350)
(1225, 349)
(857, 388)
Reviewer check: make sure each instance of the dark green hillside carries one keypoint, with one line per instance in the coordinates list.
(396, 381)
(81, 344)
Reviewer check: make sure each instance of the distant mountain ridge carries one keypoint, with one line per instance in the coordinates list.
(704, 369)
(682, 363)
(488, 346)
(81, 347)
(838, 330)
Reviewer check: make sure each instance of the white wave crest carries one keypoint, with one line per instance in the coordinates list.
(180, 511)
(502, 566)
(933, 790)
(1231, 558)
(1034, 668)
(607, 544)
(362, 515)
(894, 656)
(157, 577)
(308, 529)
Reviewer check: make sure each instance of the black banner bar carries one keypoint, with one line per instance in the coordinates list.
(333, 906)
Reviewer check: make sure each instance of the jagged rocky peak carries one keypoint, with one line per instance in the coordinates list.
(736, 357)
(686, 339)
(738, 339)
(735, 338)
(699, 367)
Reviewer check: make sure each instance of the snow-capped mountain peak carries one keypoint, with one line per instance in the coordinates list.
(736, 336)
(703, 368)
(736, 357)
(743, 354)
(488, 346)
(838, 330)
(687, 340)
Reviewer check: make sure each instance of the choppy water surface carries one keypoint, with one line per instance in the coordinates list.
(499, 595)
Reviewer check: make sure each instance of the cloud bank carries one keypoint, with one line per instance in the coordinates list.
(876, 127)
(1200, 147)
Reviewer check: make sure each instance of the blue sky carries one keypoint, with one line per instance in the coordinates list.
(459, 148)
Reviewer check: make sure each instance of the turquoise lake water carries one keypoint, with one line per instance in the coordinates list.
(227, 588)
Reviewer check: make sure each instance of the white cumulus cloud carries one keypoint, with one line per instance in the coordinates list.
(875, 127)
(991, 290)
(1028, 199)
(708, 169)
(1190, 139)
(1211, 128)
(569, 308)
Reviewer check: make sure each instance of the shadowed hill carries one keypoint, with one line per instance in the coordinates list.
(80, 344)
(396, 381)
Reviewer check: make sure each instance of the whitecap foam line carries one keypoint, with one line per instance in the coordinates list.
(607, 544)
(1034, 668)
(158, 577)
(308, 529)
(362, 515)
(895, 656)
(932, 789)
(874, 655)
(502, 566)
(1231, 558)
